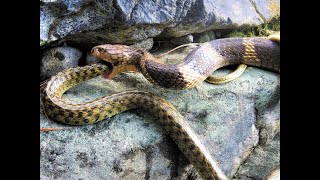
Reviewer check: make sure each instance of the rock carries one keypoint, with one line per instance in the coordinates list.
(268, 9)
(45, 20)
(86, 20)
(88, 23)
(182, 40)
(204, 37)
(91, 59)
(145, 44)
(212, 35)
(126, 36)
(220, 34)
(58, 59)
(238, 122)
(201, 38)
(206, 15)
(262, 160)
(265, 157)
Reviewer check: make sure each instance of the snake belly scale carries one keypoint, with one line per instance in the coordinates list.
(195, 68)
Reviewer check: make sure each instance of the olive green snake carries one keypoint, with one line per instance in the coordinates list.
(194, 69)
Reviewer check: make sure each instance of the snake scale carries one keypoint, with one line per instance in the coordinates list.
(194, 69)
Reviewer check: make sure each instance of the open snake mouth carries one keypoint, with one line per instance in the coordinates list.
(110, 67)
(101, 52)
(120, 58)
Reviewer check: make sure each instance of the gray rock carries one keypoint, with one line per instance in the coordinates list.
(88, 22)
(91, 59)
(211, 34)
(58, 59)
(115, 35)
(204, 36)
(201, 38)
(268, 9)
(206, 15)
(217, 34)
(145, 44)
(265, 157)
(238, 122)
(45, 20)
(261, 162)
(182, 40)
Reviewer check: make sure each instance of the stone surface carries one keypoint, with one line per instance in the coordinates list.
(268, 9)
(204, 36)
(91, 59)
(211, 34)
(238, 122)
(261, 162)
(145, 44)
(58, 59)
(45, 20)
(88, 22)
(201, 38)
(265, 157)
(182, 40)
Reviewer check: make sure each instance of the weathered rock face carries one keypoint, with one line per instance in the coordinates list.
(89, 22)
(58, 59)
(238, 122)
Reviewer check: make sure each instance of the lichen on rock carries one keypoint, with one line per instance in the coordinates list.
(58, 59)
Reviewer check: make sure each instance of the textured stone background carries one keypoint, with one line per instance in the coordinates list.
(89, 22)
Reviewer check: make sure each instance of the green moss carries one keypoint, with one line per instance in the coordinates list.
(264, 29)
(241, 33)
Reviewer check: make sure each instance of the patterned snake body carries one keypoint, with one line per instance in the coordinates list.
(90, 112)
(198, 65)
(195, 68)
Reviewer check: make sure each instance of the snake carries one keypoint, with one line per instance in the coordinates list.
(194, 69)
(197, 66)
(215, 79)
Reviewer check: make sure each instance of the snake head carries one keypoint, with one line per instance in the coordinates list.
(123, 58)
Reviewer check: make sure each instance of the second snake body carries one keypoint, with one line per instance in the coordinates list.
(198, 65)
